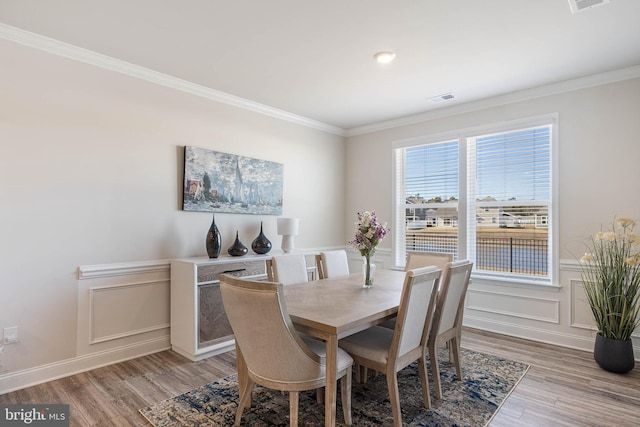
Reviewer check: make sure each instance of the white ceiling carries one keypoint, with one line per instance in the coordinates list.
(315, 58)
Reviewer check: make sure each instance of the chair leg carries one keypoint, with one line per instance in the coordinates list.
(345, 391)
(455, 359)
(435, 370)
(293, 408)
(320, 395)
(394, 395)
(245, 397)
(424, 382)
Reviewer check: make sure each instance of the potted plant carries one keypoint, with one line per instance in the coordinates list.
(611, 278)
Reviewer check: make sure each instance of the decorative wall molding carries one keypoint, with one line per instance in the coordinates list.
(509, 98)
(530, 332)
(570, 265)
(76, 53)
(495, 300)
(124, 323)
(136, 341)
(122, 269)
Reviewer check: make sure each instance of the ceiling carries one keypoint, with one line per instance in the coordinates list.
(314, 59)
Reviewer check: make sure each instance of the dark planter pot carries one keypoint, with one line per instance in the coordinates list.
(613, 355)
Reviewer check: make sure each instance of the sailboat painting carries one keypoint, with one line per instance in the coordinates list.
(222, 182)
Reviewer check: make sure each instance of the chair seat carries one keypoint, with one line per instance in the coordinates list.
(320, 348)
(371, 344)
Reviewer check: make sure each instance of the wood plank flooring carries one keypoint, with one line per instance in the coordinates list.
(563, 387)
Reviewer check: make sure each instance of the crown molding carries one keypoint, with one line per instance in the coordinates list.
(76, 53)
(509, 98)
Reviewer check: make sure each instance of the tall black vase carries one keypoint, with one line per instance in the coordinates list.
(261, 245)
(237, 249)
(613, 355)
(213, 241)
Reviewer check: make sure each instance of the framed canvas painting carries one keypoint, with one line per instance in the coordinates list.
(222, 182)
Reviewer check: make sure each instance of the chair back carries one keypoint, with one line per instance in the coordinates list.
(450, 307)
(333, 264)
(415, 311)
(287, 269)
(424, 259)
(270, 345)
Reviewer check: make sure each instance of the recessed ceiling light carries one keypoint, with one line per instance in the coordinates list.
(384, 56)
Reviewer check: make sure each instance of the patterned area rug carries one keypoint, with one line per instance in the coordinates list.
(487, 382)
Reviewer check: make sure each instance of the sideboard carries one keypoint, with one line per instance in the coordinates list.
(199, 325)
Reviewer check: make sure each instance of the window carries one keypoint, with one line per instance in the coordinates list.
(485, 195)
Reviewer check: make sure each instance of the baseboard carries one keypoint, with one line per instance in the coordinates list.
(53, 371)
(546, 336)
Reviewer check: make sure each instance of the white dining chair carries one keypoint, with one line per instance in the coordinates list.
(389, 351)
(271, 353)
(287, 269)
(332, 264)
(447, 320)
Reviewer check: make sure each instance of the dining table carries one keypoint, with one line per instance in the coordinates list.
(330, 309)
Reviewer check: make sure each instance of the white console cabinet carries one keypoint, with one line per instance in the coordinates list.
(199, 325)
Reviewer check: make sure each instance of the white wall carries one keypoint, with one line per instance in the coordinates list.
(599, 154)
(91, 174)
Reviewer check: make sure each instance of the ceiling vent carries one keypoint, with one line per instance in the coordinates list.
(441, 98)
(580, 5)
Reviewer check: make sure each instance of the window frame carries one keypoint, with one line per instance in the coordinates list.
(461, 135)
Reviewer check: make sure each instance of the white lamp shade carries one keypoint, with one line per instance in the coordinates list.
(288, 226)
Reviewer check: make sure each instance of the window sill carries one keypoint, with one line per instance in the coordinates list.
(500, 280)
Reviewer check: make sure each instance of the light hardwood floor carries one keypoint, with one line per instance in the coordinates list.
(563, 387)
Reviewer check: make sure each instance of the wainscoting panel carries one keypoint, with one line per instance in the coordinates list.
(518, 306)
(581, 316)
(122, 305)
(126, 310)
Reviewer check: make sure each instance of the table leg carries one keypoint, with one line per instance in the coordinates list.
(330, 389)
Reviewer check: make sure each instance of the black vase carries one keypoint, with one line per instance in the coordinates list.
(261, 245)
(237, 249)
(213, 241)
(613, 355)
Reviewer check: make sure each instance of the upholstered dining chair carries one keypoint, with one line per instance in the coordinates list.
(287, 269)
(417, 259)
(447, 321)
(332, 264)
(389, 351)
(272, 353)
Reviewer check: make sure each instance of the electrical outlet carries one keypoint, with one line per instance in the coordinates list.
(11, 335)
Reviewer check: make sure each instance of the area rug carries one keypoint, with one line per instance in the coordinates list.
(487, 382)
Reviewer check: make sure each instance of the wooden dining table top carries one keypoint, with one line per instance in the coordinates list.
(342, 306)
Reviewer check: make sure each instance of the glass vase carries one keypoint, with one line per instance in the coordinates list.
(368, 272)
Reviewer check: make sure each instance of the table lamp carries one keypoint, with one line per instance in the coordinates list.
(287, 228)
